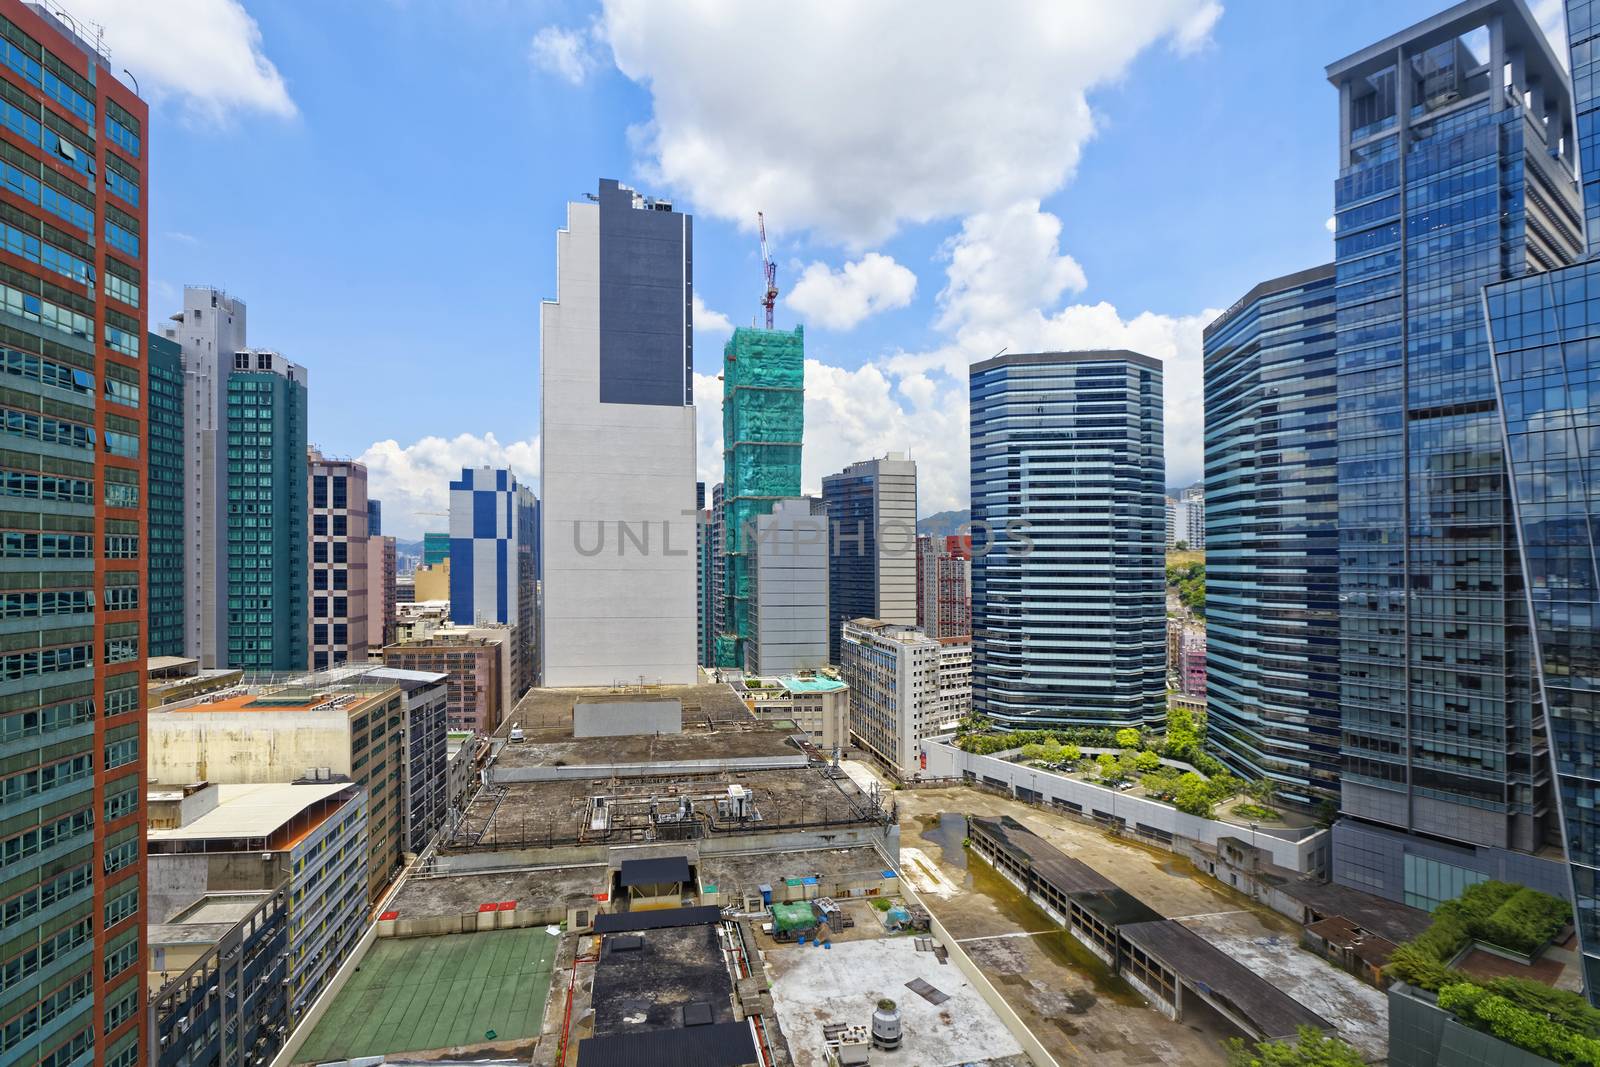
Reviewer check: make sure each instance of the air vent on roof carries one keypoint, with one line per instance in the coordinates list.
(626, 943)
(697, 1014)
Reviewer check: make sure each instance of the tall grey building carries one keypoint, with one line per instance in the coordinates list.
(210, 329)
(1272, 539)
(1455, 172)
(1068, 591)
(872, 569)
(618, 457)
(788, 591)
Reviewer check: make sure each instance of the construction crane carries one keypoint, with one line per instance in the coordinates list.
(769, 270)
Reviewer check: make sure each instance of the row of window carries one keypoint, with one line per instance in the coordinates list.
(37, 957)
(26, 246)
(50, 1007)
(30, 188)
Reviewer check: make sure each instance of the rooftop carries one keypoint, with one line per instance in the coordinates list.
(551, 709)
(655, 979)
(1034, 852)
(1268, 1008)
(562, 811)
(1386, 918)
(816, 684)
(416, 994)
(254, 811)
(736, 874)
(815, 987)
(462, 894)
(206, 920)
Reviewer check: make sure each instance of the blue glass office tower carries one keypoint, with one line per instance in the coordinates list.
(1272, 536)
(492, 559)
(1545, 337)
(872, 568)
(1453, 176)
(1069, 609)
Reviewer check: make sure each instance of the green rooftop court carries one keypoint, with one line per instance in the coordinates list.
(416, 994)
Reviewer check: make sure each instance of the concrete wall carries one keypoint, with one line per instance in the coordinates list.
(945, 760)
(244, 747)
(612, 610)
(621, 718)
(501, 775)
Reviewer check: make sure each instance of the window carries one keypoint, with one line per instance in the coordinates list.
(120, 392)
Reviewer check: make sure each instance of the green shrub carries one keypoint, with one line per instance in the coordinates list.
(1254, 811)
(1558, 1005)
(1145, 762)
(1525, 921)
(1192, 795)
(1519, 1026)
(1312, 1048)
(1127, 737)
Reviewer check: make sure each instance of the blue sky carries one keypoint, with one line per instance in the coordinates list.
(381, 181)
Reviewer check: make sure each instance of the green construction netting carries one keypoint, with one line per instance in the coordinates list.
(726, 651)
(763, 420)
(792, 918)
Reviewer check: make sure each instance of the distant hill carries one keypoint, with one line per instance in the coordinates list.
(944, 523)
(408, 548)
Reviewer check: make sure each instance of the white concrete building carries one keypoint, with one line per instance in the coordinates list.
(788, 591)
(210, 329)
(904, 686)
(815, 703)
(1192, 508)
(617, 455)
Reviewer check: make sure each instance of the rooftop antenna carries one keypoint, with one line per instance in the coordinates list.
(769, 270)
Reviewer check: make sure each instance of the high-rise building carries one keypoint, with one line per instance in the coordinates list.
(382, 596)
(1173, 535)
(618, 446)
(374, 517)
(1545, 342)
(763, 419)
(786, 554)
(211, 328)
(435, 548)
(872, 565)
(704, 634)
(1272, 538)
(1455, 172)
(1069, 593)
(72, 692)
(904, 686)
(1193, 502)
(164, 484)
(719, 572)
(491, 560)
(267, 529)
(944, 585)
(341, 603)
(422, 785)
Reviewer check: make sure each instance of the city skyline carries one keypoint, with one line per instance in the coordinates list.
(868, 385)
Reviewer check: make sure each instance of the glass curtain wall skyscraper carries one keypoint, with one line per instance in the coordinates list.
(872, 568)
(164, 428)
(1545, 334)
(1272, 538)
(267, 528)
(1453, 176)
(1069, 529)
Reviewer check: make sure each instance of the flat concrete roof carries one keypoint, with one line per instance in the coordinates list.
(812, 987)
(542, 709)
(251, 810)
(460, 894)
(205, 921)
(647, 979)
(533, 814)
(556, 748)
(1060, 870)
(741, 872)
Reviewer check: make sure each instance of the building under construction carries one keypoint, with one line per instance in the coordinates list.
(763, 416)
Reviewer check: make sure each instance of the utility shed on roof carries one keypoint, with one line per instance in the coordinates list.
(717, 1045)
(663, 870)
(661, 980)
(661, 919)
(1167, 959)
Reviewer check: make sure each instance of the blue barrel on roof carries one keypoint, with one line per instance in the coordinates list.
(766, 894)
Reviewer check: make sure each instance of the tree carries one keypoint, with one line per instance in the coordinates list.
(1071, 753)
(1192, 795)
(1160, 783)
(1107, 764)
(1312, 1048)
(1264, 791)
(1180, 546)
(1127, 737)
(1145, 762)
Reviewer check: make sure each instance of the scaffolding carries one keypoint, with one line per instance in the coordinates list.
(763, 417)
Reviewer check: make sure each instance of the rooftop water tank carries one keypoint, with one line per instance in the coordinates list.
(886, 1026)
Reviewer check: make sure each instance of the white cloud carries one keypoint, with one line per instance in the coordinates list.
(1551, 15)
(564, 53)
(838, 300)
(855, 118)
(205, 55)
(1005, 262)
(853, 415)
(415, 478)
(708, 322)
